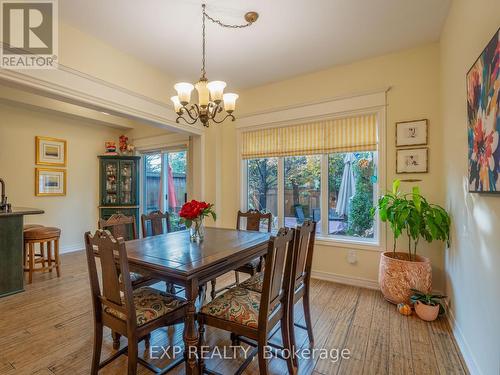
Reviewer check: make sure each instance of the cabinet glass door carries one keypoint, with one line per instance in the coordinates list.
(127, 188)
(110, 195)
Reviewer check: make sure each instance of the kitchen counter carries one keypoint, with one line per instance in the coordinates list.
(16, 211)
(11, 249)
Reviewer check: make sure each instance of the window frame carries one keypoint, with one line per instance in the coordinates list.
(324, 239)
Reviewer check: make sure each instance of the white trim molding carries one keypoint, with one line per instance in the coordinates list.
(161, 142)
(78, 88)
(346, 280)
(337, 107)
(347, 243)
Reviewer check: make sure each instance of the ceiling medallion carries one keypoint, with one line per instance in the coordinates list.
(211, 98)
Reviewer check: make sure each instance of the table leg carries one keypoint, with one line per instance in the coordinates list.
(190, 331)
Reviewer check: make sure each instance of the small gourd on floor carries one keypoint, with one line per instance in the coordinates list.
(404, 309)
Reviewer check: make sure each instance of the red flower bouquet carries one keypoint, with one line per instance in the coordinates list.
(192, 214)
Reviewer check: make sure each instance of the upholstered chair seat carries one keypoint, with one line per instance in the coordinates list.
(238, 305)
(150, 304)
(254, 283)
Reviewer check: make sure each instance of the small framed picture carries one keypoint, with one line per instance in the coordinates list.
(51, 151)
(411, 133)
(412, 160)
(50, 182)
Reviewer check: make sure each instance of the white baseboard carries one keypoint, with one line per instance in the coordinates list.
(71, 248)
(462, 343)
(343, 279)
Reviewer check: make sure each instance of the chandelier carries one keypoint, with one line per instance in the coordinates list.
(211, 98)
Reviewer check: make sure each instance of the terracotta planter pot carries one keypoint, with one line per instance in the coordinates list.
(397, 275)
(426, 312)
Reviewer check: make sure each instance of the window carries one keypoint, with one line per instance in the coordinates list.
(351, 179)
(165, 184)
(262, 184)
(302, 189)
(152, 188)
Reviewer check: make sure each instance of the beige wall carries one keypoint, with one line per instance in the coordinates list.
(414, 78)
(77, 211)
(472, 262)
(96, 58)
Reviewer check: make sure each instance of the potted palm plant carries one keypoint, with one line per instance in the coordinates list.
(410, 215)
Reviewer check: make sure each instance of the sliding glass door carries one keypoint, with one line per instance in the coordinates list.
(165, 183)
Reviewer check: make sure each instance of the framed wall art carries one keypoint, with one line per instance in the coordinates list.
(50, 182)
(483, 120)
(412, 133)
(51, 151)
(412, 160)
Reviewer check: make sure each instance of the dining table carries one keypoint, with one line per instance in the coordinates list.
(175, 258)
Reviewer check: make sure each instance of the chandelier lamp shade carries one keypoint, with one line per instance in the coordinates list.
(212, 100)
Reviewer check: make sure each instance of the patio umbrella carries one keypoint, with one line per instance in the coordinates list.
(347, 186)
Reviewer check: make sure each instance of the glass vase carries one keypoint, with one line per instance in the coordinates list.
(197, 230)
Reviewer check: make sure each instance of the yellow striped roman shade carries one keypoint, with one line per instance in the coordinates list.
(349, 134)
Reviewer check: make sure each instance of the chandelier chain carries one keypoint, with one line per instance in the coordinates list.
(220, 23)
(203, 71)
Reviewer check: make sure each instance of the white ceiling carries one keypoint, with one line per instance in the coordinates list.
(291, 37)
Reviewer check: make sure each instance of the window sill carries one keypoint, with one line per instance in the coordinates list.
(347, 243)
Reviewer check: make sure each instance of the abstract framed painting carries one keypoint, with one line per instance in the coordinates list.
(483, 120)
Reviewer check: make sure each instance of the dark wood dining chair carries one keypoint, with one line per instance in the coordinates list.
(124, 227)
(254, 221)
(131, 313)
(158, 223)
(301, 278)
(120, 226)
(253, 315)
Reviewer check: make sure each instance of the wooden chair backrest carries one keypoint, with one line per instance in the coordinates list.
(253, 220)
(113, 259)
(304, 248)
(155, 220)
(276, 284)
(120, 226)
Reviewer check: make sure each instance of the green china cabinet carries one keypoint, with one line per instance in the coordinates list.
(119, 186)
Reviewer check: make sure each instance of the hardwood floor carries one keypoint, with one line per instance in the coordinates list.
(47, 330)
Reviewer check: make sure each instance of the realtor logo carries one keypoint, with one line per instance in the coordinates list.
(29, 34)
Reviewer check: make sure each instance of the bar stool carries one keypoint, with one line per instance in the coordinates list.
(41, 254)
(45, 237)
(31, 226)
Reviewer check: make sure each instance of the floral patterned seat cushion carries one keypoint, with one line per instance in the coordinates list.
(237, 305)
(254, 283)
(150, 304)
